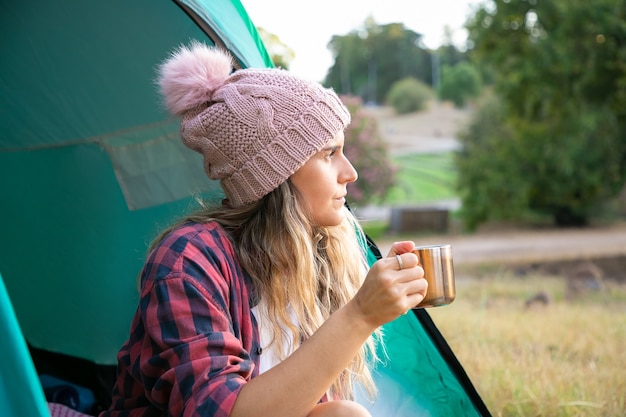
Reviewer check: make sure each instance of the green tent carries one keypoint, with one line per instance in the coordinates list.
(92, 167)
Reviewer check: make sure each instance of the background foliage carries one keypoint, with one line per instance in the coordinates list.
(408, 95)
(281, 54)
(367, 150)
(369, 60)
(459, 83)
(554, 142)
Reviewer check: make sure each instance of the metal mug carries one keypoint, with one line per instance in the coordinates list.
(439, 272)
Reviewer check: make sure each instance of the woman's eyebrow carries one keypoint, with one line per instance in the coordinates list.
(332, 148)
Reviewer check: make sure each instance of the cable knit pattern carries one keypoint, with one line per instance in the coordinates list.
(258, 127)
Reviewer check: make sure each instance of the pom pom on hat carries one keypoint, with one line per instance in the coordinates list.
(191, 76)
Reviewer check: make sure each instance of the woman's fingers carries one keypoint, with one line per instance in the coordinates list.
(409, 272)
(398, 248)
(408, 266)
(416, 291)
(394, 285)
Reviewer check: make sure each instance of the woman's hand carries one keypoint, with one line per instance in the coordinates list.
(393, 286)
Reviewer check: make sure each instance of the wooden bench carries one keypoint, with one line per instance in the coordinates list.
(419, 219)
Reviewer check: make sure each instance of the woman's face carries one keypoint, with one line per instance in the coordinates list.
(322, 181)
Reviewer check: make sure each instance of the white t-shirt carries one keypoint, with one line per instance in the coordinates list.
(270, 356)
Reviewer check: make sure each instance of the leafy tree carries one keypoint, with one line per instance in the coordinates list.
(281, 54)
(370, 60)
(409, 95)
(490, 187)
(448, 54)
(459, 83)
(559, 71)
(367, 150)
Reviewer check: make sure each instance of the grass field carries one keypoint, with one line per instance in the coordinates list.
(423, 178)
(564, 359)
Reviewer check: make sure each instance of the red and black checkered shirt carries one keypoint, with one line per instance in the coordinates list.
(193, 340)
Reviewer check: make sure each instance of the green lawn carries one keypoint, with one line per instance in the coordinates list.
(423, 178)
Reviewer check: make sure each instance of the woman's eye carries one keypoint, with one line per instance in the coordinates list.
(332, 151)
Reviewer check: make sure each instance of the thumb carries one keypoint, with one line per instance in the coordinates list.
(398, 248)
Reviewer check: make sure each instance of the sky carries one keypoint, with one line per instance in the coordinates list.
(307, 27)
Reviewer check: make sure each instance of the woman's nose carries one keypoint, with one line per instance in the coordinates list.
(348, 173)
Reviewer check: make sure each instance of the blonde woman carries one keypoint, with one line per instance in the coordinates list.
(263, 305)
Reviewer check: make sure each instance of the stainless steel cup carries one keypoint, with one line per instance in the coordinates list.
(439, 272)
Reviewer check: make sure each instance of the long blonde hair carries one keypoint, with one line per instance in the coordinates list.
(313, 270)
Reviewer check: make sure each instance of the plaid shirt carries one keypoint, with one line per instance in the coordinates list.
(193, 341)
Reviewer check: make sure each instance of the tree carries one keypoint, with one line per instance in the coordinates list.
(559, 70)
(448, 54)
(368, 61)
(490, 187)
(281, 54)
(459, 83)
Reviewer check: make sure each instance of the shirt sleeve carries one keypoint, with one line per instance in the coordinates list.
(192, 361)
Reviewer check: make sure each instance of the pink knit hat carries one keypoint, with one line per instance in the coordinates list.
(254, 127)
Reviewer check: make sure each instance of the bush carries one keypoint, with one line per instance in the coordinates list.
(408, 95)
(366, 149)
(459, 83)
(565, 167)
(489, 183)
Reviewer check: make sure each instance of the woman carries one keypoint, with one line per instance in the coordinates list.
(263, 306)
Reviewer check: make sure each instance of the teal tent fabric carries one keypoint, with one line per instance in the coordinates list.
(20, 391)
(233, 27)
(91, 166)
(413, 378)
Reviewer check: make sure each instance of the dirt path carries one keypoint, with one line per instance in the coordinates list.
(531, 246)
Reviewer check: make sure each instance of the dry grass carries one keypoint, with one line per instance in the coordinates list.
(563, 359)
